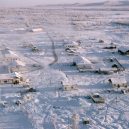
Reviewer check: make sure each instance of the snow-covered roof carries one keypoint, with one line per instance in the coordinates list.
(67, 83)
(107, 69)
(81, 60)
(36, 29)
(71, 43)
(123, 48)
(16, 63)
(8, 53)
(9, 76)
(118, 81)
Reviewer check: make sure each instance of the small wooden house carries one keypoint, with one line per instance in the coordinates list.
(118, 82)
(123, 50)
(8, 55)
(10, 78)
(107, 70)
(82, 63)
(67, 86)
(72, 45)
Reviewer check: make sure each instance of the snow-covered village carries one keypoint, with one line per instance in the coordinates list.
(65, 66)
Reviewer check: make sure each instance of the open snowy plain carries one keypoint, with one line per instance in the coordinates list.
(50, 107)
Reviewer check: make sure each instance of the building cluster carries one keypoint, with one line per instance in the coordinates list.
(14, 66)
(85, 64)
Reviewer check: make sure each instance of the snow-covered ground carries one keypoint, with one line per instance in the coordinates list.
(50, 107)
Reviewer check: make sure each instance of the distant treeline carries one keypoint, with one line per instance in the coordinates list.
(121, 23)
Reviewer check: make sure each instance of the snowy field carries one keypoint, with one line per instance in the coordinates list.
(50, 107)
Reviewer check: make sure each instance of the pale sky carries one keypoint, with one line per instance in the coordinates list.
(11, 3)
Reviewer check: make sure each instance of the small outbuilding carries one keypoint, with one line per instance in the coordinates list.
(107, 70)
(8, 55)
(67, 86)
(97, 98)
(72, 45)
(82, 63)
(10, 78)
(123, 50)
(118, 82)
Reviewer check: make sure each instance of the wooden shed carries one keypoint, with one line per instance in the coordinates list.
(107, 70)
(72, 45)
(8, 55)
(82, 63)
(118, 82)
(67, 86)
(10, 78)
